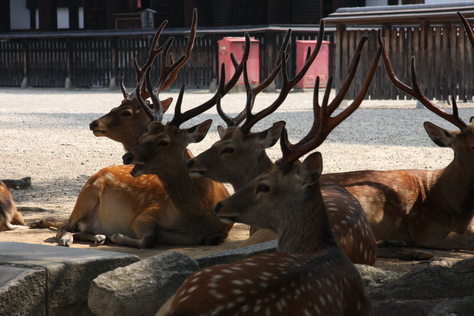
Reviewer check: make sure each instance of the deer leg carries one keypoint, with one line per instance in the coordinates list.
(48, 222)
(438, 236)
(97, 239)
(144, 229)
(214, 239)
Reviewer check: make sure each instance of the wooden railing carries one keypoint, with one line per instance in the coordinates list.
(100, 59)
(434, 36)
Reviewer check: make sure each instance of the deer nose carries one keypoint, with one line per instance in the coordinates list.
(217, 208)
(189, 163)
(127, 158)
(93, 124)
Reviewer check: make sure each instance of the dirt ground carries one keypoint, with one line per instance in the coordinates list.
(44, 134)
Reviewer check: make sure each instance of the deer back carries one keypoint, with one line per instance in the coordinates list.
(274, 284)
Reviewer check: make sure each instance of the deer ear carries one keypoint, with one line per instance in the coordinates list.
(269, 137)
(166, 104)
(198, 132)
(311, 169)
(440, 136)
(221, 131)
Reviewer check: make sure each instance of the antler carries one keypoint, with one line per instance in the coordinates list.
(155, 113)
(468, 28)
(172, 71)
(323, 122)
(223, 89)
(287, 85)
(416, 91)
(252, 92)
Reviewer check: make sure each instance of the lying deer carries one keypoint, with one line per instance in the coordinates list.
(142, 211)
(10, 217)
(127, 122)
(312, 275)
(240, 156)
(427, 208)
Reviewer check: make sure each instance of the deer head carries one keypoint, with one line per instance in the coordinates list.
(290, 189)
(163, 137)
(462, 141)
(127, 122)
(239, 156)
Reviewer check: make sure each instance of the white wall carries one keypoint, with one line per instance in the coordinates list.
(20, 16)
(63, 18)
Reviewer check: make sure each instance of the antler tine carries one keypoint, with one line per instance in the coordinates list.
(416, 91)
(287, 85)
(468, 28)
(347, 83)
(153, 114)
(140, 71)
(223, 89)
(323, 122)
(189, 48)
(234, 122)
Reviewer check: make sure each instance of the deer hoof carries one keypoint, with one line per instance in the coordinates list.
(65, 242)
(214, 240)
(99, 240)
(116, 238)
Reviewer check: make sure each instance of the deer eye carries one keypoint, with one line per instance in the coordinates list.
(263, 188)
(127, 113)
(162, 143)
(228, 150)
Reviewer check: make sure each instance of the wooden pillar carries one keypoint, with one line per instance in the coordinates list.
(74, 18)
(340, 47)
(4, 16)
(48, 16)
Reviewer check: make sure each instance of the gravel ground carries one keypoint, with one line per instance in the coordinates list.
(45, 134)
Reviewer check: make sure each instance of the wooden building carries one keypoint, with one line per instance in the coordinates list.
(43, 15)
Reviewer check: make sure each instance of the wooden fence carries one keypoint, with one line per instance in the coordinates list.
(101, 59)
(444, 57)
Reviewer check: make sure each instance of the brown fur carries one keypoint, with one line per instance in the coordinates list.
(425, 208)
(313, 275)
(10, 217)
(248, 159)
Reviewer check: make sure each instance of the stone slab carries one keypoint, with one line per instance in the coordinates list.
(62, 274)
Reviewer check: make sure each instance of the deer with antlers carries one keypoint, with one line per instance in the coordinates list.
(138, 212)
(127, 122)
(427, 208)
(240, 156)
(310, 275)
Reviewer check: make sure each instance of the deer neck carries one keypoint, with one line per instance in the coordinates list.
(252, 171)
(455, 184)
(184, 191)
(310, 232)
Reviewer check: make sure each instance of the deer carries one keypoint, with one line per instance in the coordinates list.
(127, 122)
(424, 208)
(10, 217)
(309, 274)
(141, 211)
(239, 157)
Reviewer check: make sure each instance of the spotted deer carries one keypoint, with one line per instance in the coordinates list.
(310, 275)
(142, 211)
(127, 122)
(426, 208)
(10, 217)
(240, 156)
